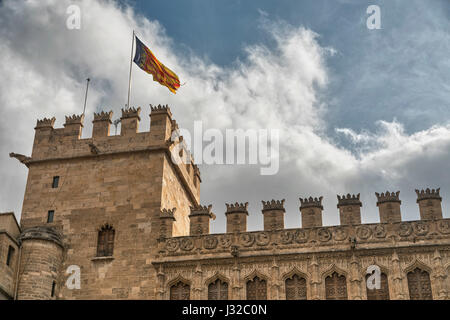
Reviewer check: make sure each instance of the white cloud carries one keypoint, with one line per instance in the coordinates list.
(44, 65)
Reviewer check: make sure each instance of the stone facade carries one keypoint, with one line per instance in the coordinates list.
(127, 212)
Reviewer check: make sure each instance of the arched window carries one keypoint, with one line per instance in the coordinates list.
(105, 244)
(218, 290)
(180, 291)
(336, 287)
(295, 288)
(256, 289)
(379, 294)
(419, 285)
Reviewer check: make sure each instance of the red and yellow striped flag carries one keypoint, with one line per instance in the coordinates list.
(145, 59)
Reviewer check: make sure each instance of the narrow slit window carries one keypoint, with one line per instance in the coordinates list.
(50, 216)
(10, 256)
(55, 182)
(53, 288)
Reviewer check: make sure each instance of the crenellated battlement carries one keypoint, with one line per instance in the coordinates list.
(237, 207)
(103, 116)
(348, 200)
(428, 194)
(311, 202)
(45, 123)
(168, 213)
(273, 205)
(161, 109)
(311, 211)
(59, 144)
(131, 113)
(74, 119)
(388, 197)
(201, 210)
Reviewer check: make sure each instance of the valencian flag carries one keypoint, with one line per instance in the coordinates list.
(145, 59)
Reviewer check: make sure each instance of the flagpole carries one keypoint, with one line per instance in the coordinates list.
(131, 67)
(85, 97)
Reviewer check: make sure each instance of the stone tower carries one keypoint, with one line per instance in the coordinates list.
(128, 182)
(349, 209)
(41, 259)
(389, 206)
(237, 217)
(429, 204)
(311, 210)
(273, 212)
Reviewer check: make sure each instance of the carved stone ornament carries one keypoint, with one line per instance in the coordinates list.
(363, 232)
(286, 237)
(444, 226)
(210, 242)
(324, 234)
(172, 245)
(405, 230)
(340, 234)
(380, 231)
(262, 239)
(225, 241)
(234, 251)
(247, 239)
(187, 244)
(421, 228)
(301, 236)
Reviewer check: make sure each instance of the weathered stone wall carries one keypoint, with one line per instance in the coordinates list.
(122, 181)
(8, 273)
(313, 253)
(9, 232)
(39, 267)
(175, 196)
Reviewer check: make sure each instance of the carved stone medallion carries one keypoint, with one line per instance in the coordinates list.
(210, 242)
(379, 231)
(324, 234)
(363, 232)
(247, 239)
(444, 226)
(262, 238)
(172, 245)
(286, 237)
(225, 241)
(405, 230)
(421, 228)
(340, 234)
(301, 236)
(187, 244)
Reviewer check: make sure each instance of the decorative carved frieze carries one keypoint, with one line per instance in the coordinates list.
(305, 238)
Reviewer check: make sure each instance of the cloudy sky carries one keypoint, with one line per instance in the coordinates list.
(358, 110)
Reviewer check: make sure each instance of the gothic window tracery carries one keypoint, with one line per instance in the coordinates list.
(218, 290)
(419, 285)
(180, 291)
(256, 289)
(336, 287)
(295, 288)
(379, 294)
